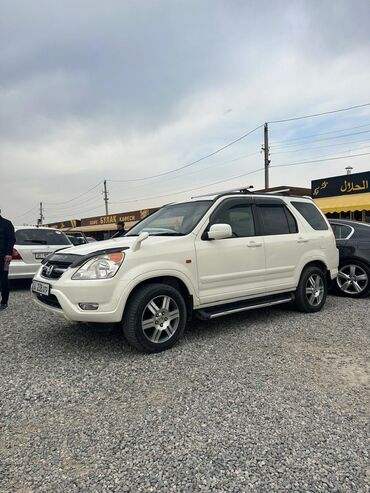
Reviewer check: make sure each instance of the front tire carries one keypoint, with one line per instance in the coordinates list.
(311, 291)
(154, 318)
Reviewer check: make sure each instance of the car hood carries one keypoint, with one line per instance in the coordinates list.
(123, 242)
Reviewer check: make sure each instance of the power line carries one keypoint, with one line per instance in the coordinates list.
(191, 189)
(30, 210)
(318, 134)
(320, 114)
(320, 160)
(75, 205)
(320, 147)
(193, 162)
(216, 165)
(324, 138)
(74, 198)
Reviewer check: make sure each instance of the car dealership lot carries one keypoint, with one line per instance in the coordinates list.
(270, 400)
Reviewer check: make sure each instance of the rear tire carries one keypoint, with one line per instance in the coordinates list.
(312, 290)
(353, 279)
(154, 318)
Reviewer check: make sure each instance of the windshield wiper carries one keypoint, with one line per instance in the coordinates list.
(36, 242)
(167, 234)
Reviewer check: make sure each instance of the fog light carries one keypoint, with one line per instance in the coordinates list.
(88, 306)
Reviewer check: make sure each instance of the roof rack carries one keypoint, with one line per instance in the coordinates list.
(244, 190)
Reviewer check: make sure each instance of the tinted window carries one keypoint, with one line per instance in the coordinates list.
(341, 231)
(312, 215)
(240, 218)
(40, 237)
(293, 227)
(275, 220)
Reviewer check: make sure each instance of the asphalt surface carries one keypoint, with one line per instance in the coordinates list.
(270, 400)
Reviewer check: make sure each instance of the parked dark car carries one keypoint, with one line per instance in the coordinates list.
(353, 242)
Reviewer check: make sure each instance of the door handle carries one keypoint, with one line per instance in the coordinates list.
(254, 244)
(302, 240)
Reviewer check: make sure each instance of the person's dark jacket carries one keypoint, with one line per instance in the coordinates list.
(7, 237)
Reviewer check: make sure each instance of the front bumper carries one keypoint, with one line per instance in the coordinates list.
(67, 294)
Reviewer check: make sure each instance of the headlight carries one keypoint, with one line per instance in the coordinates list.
(100, 267)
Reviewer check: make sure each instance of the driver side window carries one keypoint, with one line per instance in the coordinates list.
(239, 217)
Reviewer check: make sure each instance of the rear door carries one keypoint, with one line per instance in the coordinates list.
(284, 244)
(234, 267)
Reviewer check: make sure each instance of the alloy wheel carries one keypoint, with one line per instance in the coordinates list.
(352, 279)
(160, 319)
(315, 289)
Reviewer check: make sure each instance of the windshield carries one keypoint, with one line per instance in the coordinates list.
(172, 220)
(40, 237)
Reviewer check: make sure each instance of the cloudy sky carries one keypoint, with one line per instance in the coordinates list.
(124, 90)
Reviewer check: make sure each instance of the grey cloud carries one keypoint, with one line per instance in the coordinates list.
(80, 76)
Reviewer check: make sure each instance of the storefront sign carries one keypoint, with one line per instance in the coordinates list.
(71, 223)
(115, 218)
(341, 185)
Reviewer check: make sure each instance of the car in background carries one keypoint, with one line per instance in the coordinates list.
(33, 245)
(353, 242)
(77, 240)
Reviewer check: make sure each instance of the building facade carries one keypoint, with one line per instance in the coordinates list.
(345, 196)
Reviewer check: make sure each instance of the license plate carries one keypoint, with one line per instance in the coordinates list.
(41, 255)
(41, 288)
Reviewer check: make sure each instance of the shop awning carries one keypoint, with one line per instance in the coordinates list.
(99, 227)
(345, 203)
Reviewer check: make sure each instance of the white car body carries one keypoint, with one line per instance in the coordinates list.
(32, 254)
(213, 273)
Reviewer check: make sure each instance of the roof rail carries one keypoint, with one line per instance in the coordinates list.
(223, 192)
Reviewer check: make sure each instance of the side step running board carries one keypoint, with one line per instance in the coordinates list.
(242, 306)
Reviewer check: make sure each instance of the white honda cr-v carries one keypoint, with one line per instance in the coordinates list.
(206, 257)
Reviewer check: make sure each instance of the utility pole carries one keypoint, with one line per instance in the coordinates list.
(266, 152)
(42, 217)
(105, 196)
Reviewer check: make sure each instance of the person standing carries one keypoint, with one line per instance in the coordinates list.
(7, 241)
(120, 230)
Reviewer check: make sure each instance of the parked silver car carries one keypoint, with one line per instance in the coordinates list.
(31, 247)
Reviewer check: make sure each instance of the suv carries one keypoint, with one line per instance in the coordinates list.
(209, 256)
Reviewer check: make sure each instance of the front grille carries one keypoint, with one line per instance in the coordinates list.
(53, 269)
(50, 300)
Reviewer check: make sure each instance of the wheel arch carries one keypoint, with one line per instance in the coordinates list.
(170, 280)
(353, 258)
(321, 265)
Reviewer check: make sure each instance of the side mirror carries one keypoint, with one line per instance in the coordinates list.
(220, 232)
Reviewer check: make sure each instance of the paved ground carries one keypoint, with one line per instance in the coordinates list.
(266, 401)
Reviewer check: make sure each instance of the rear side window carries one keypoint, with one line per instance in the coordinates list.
(342, 232)
(312, 215)
(40, 237)
(277, 220)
